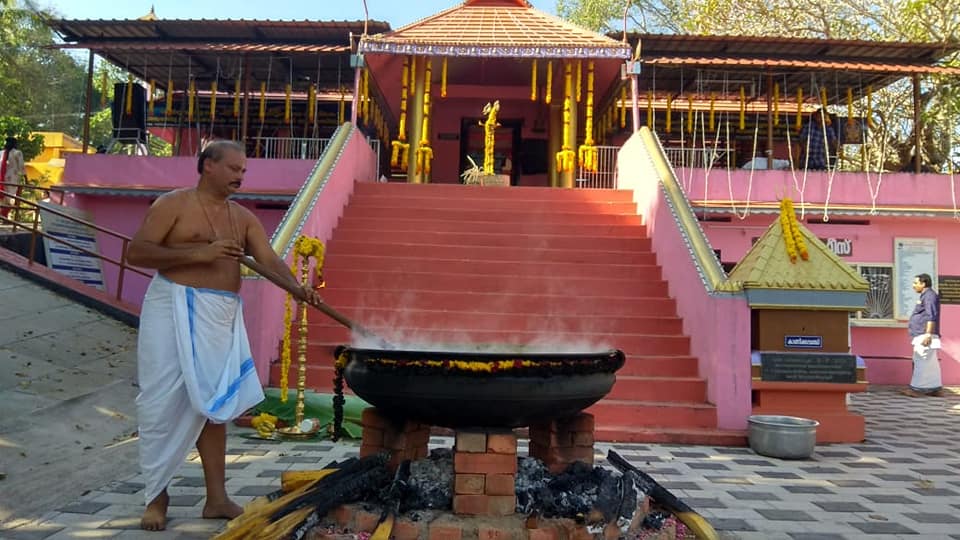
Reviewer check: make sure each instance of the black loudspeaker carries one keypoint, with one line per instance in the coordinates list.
(129, 128)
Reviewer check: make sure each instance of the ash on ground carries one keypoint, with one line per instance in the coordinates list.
(430, 486)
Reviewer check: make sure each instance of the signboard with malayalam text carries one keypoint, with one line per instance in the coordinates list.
(911, 256)
(65, 259)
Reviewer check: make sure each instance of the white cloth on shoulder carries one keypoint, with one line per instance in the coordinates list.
(194, 365)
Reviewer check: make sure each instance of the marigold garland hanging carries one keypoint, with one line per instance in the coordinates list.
(311, 102)
(168, 98)
(588, 153)
(263, 101)
(236, 98)
(650, 119)
(191, 97)
(823, 105)
(304, 249)
(424, 152)
(689, 114)
(792, 237)
(443, 78)
(579, 79)
(566, 158)
(713, 110)
(776, 104)
(743, 108)
(798, 125)
(548, 92)
(152, 87)
(400, 148)
(850, 121)
(213, 100)
(870, 106)
(489, 132)
(623, 107)
(128, 105)
(668, 126)
(533, 81)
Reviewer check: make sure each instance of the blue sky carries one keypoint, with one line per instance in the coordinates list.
(396, 12)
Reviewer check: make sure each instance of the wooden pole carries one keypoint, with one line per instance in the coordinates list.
(917, 124)
(88, 104)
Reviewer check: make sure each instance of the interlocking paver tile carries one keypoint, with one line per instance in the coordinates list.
(933, 518)
(890, 499)
(754, 495)
(840, 506)
(785, 515)
(817, 490)
(882, 527)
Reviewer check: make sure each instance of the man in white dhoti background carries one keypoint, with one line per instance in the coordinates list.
(194, 366)
(924, 329)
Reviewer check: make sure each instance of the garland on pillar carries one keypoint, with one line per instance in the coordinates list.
(713, 110)
(287, 90)
(579, 79)
(798, 125)
(168, 97)
(588, 154)
(263, 101)
(792, 237)
(870, 106)
(443, 78)
(413, 74)
(669, 123)
(566, 157)
(213, 100)
(650, 118)
(690, 114)
(424, 152)
(400, 148)
(304, 249)
(776, 104)
(850, 121)
(364, 96)
(743, 108)
(489, 130)
(548, 92)
(533, 81)
(311, 103)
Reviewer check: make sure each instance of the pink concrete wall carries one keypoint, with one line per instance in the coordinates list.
(263, 175)
(900, 189)
(886, 349)
(718, 325)
(263, 302)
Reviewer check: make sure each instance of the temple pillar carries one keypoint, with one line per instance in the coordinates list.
(567, 177)
(554, 141)
(415, 119)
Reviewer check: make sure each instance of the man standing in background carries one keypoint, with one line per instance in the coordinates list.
(924, 328)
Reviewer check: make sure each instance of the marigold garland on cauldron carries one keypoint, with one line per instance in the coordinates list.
(480, 368)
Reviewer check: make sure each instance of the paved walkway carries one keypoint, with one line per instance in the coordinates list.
(903, 482)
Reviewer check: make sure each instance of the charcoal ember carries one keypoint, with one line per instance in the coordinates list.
(532, 477)
(430, 485)
(655, 520)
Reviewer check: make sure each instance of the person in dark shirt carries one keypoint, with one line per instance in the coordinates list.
(924, 329)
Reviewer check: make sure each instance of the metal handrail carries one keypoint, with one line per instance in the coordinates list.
(23, 203)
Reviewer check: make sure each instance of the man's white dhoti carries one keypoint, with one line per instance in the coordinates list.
(194, 365)
(926, 368)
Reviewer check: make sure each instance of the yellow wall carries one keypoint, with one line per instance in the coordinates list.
(47, 168)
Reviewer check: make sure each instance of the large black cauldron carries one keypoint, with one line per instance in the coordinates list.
(493, 390)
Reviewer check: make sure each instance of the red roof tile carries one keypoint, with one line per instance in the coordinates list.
(505, 28)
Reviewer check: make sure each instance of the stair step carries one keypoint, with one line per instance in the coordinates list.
(337, 247)
(672, 414)
(504, 216)
(428, 205)
(401, 189)
(390, 279)
(498, 240)
(376, 225)
(463, 266)
(473, 302)
(385, 319)
(646, 365)
(666, 435)
(631, 387)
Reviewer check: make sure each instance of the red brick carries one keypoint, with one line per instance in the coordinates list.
(500, 484)
(404, 529)
(548, 532)
(366, 521)
(502, 443)
(471, 441)
(473, 505)
(580, 422)
(470, 484)
(371, 417)
(372, 436)
(445, 532)
(486, 532)
(583, 438)
(484, 463)
(343, 515)
(501, 505)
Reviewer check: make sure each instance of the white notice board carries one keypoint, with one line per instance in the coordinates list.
(69, 261)
(911, 256)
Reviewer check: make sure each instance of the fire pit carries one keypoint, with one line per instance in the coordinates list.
(479, 389)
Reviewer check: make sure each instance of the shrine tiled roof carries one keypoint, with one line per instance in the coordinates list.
(495, 28)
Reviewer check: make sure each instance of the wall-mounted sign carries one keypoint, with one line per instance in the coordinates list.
(841, 247)
(83, 266)
(911, 256)
(803, 342)
(948, 288)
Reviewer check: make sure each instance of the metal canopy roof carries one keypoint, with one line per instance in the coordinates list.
(281, 52)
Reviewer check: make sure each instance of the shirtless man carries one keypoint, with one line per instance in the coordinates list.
(194, 237)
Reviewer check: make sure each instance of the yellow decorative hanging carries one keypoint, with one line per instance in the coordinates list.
(566, 158)
(263, 101)
(533, 81)
(424, 152)
(213, 100)
(870, 106)
(365, 95)
(413, 74)
(669, 123)
(168, 97)
(548, 92)
(311, 102)
(400, 148)
(489, 132)
(152, 87)
(743, 108)
(191, 98)
(103, 89)
(689, 114)
(776, 104)
(713, 110)
(304, 249)
(823, 105)
(128, 105)
(579, 79)
(623, 107)
(443, 78)
(792, 237)
(798, 125)
(341, 111)
(236, 98)
(650, 120)
(588, 154)
(850, 121)
(287, 90)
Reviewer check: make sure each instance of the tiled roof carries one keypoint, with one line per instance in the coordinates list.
(767, 266)
(836, 65)
(207, 46)
(510, 28)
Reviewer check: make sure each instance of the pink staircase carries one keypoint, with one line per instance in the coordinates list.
(456, 264)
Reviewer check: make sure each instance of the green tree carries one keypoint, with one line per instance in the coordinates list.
(31, 144)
